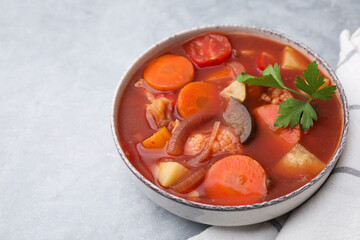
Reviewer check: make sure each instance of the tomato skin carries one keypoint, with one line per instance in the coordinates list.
(264, 60)
(209, 50)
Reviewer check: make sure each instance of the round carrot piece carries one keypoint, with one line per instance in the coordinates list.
(169, 72)
(236, 180)
(199, 97)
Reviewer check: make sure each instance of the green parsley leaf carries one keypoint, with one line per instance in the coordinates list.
(271, 78)
(312, 80)
(275, 73)
(294, 111)
(325, 93)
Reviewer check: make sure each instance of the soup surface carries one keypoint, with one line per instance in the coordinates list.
(189, 127)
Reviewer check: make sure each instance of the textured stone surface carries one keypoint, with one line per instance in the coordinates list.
(60, 61)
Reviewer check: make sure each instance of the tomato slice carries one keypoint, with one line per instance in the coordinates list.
(209, 50)
(264, 60)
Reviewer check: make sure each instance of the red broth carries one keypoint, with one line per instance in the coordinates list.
(321, 140)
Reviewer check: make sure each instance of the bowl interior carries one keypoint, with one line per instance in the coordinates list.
(160, 47)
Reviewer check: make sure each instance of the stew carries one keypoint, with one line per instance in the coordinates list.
(191, 128)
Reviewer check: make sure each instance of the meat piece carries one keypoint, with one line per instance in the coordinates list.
(183, 131)
(206, 151)
(195, 143)
(225, 141)
(276, 95)
(158, 113)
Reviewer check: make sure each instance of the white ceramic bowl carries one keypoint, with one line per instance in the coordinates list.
(228, 215)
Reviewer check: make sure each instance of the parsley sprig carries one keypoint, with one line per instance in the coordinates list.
(294, 111)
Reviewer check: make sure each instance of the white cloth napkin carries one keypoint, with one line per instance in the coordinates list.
(334, 211)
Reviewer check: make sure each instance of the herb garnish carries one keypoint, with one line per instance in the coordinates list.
(294, 111)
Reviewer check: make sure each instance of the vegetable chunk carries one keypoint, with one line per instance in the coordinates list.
(235, 66)
(158, 139)
(236, 180)
(169, 72)
(264, 60)
(158, 113)
(209, 50)
(171, 173)
(191, 181)
(236, 90)
(292, 59)
(268, 114)
(198, 97)
(221, 76)
(237, 116)
(299, 162)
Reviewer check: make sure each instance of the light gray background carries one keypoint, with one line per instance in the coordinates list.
(60, 61)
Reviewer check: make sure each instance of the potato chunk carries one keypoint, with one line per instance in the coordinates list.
(292, 59)
(299, 163)
(171, 173)
(236, 90)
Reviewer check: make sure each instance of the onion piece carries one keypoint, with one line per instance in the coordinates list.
(182, 132)
(190, 182)
(205, 153)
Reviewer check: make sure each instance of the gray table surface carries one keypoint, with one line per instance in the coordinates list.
(60, 61)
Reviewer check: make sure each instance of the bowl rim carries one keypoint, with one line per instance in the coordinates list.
(263, 32)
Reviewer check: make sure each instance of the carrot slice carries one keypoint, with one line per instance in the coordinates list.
(169, 72)
(268, 114)
(221, 76)
(236, 180)
(199, 97)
